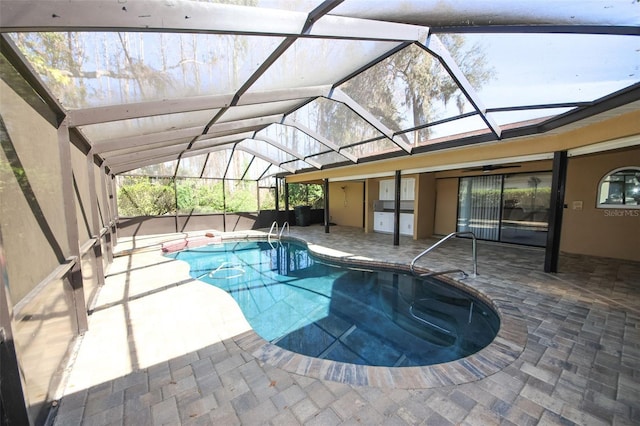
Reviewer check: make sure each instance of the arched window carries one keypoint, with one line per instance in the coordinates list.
(620, 188)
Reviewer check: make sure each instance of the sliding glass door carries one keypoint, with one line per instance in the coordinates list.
(479, 206)
(525, 208)
(510, 208)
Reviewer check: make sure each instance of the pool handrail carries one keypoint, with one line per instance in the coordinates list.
(428, 323)
(273, 225)
(474, 253)
(285, 225)
(227, 266)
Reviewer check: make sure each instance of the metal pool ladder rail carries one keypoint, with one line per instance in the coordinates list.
(274, 225)
(474, 253)
(284, 226)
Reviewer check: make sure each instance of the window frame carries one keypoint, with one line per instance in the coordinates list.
(603, 180)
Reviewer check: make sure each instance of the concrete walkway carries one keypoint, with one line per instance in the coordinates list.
(163, 348)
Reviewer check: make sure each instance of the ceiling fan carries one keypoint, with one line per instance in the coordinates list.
(491, 167)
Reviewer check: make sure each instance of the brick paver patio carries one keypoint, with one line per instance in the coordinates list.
(163, 348)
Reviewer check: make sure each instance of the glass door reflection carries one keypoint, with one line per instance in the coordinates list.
(525, 208)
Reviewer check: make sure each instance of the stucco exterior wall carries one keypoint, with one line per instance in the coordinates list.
(346, 203)
(596, 231)
(446, 206)
(424, 216)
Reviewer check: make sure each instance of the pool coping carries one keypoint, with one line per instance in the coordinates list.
(505, 348)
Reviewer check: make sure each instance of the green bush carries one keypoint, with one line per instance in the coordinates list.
(306, 195)
(143, 196)
(146, 196)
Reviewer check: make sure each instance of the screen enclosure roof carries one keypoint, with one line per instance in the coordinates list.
(255, 88)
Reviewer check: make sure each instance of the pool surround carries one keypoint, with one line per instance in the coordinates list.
(505, 348)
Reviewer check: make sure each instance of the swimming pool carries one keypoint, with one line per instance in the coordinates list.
(364, 317)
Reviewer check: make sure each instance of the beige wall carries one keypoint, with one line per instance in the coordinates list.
(595, 231)
(346, 203)
(590, 231)
(532, 166)
(372, 187)
(424, 207)
(446, 206)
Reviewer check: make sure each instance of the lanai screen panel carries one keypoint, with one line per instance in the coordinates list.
(257, 169)
(205, 143)
(165, 169)
(532, 116)
(296, 165)
(259, 110)
(376, 147)
(407, 97)
(238, 165)
(270, 174)
(311, 62)
(335, 121)
(538, 69)
(146, 125)
(137, 151)
(88, 69)
(409, 89)
(216, 164)
(266, 150)
(294, 139)
(462, 127)
(191, 167)
(329, 158)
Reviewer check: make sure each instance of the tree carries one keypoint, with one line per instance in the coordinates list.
(209, 195)
(59, 59)
(301, 194)
(86, 68)
(144, 196)
(411, 87)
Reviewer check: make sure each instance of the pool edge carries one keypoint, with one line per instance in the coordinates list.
(506, 347)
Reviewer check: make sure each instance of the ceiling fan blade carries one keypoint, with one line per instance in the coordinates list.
(491, 167)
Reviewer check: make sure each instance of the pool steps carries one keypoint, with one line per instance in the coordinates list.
(474, 254)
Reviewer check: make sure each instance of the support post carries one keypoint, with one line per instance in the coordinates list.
(326, 206)
(224, 206)
(71, 220)
(396, 209)
(113, 199)
(286, 201)
(95, 220)
(258, 196)
(175, 200)
(107, 215)
(558, 183)
(277, 197)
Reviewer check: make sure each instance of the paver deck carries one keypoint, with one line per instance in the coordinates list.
(163, 348)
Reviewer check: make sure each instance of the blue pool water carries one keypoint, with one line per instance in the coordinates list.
(361, 317)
